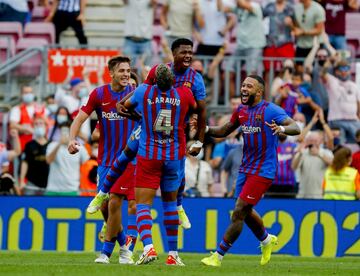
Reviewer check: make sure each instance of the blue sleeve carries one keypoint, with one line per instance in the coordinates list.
(304, 91)
(219, 150)
(276, 113)
(198, 88)
(137, 98)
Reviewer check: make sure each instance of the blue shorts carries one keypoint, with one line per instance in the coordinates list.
(153, 174)
(102, 171)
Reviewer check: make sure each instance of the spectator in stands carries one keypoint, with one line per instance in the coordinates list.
(21, 116)
(279, 39)
(311, 160)
(356, 156)
(284, 184)
(310, 19)
(68, 13)
(88, 172)
(60, 181)
(198, 175)
(283, 78)
(344, 101)
(230, 168)
(138, 30)
(217, 24)
(52, 107)
(34, 169)
(341, 182)
(14, 11)
(235, 101)
(335, 25)
(62, 118)
(314, 64)
(250, 36)
(179, 17)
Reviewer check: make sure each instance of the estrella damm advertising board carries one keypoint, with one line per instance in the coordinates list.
(304, 227)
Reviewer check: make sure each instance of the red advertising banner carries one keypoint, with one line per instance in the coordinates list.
(76, 63)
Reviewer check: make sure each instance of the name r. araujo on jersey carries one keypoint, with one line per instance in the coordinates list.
(166, 100)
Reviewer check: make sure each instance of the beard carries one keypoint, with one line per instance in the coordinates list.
(250, 100)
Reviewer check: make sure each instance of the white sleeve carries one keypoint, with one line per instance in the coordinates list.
(50, 148)
(15, 114)
(84, 156)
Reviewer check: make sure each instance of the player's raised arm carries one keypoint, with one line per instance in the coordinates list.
(222, 131)
(288, 127)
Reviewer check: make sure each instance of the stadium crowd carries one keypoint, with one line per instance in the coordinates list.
(314, 85)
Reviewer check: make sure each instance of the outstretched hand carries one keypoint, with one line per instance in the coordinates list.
(274, 127)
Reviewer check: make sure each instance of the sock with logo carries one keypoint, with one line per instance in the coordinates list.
(132, 230)
(223, 247)
(144, 223)
(121, 237)
(171, 223)
(117, 169)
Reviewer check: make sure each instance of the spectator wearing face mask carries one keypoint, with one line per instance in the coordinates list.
(51, 107)
(341, 182)
(198, 175)
(34, 169)
(344, 101)
(22, 116)
(64, 174)
(88, 173)
(62, 118)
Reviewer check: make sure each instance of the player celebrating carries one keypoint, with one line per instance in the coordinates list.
(259, 122)
(159, 159)
(114, 133)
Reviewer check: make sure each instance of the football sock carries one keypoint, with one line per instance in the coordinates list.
(223, 247)
(108, 247)
(180, 192)
(117, 169)
(132, 230)
(144, 223)
(267, 240)
(171, 223)
(121, 238)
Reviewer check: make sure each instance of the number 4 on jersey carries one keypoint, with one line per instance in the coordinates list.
(163, 122)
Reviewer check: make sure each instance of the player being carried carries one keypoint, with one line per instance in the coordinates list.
(162, 148)
(114, 133)
(184, 75)
(259, 122)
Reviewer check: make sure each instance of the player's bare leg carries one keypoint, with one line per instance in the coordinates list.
(132, 231)
(242, 209)
(144, 199)
(104, 212)
(171, 218)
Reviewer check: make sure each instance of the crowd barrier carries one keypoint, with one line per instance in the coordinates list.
(304, 227)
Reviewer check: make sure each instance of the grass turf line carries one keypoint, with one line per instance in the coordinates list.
(54, 263)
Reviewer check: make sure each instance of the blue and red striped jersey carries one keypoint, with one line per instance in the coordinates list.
(163, 118)
(259, 156)
(285, 174)
(114, 129)
(190, 79)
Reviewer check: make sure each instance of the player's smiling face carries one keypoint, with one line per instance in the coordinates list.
(121, 74)
(250, 91)
(183, 57)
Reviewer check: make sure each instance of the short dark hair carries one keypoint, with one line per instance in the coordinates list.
(260, 80)
(298, 74)
(357, 134)
(181, 41)
(164, 77)
(116, 60)
(135, 77)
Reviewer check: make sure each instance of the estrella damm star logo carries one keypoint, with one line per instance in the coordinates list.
(187, 84)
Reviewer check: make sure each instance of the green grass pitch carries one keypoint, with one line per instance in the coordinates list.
(52, 263)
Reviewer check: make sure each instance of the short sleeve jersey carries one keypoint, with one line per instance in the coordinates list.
(163, 118)
(260, 145)
(114, 129)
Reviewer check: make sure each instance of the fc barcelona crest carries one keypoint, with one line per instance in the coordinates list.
(187, 84)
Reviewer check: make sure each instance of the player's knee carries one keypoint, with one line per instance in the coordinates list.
(114, 203)
(239, 213)
(132, 207)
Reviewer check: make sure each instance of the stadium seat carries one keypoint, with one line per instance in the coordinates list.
(6, 44)
(45, 30)
(32, 66)
(39, 14)
(13, 29)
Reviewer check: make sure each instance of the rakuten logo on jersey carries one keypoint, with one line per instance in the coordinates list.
(112, 116)
(250, 129)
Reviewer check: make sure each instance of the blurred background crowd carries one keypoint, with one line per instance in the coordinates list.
(306, 51)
